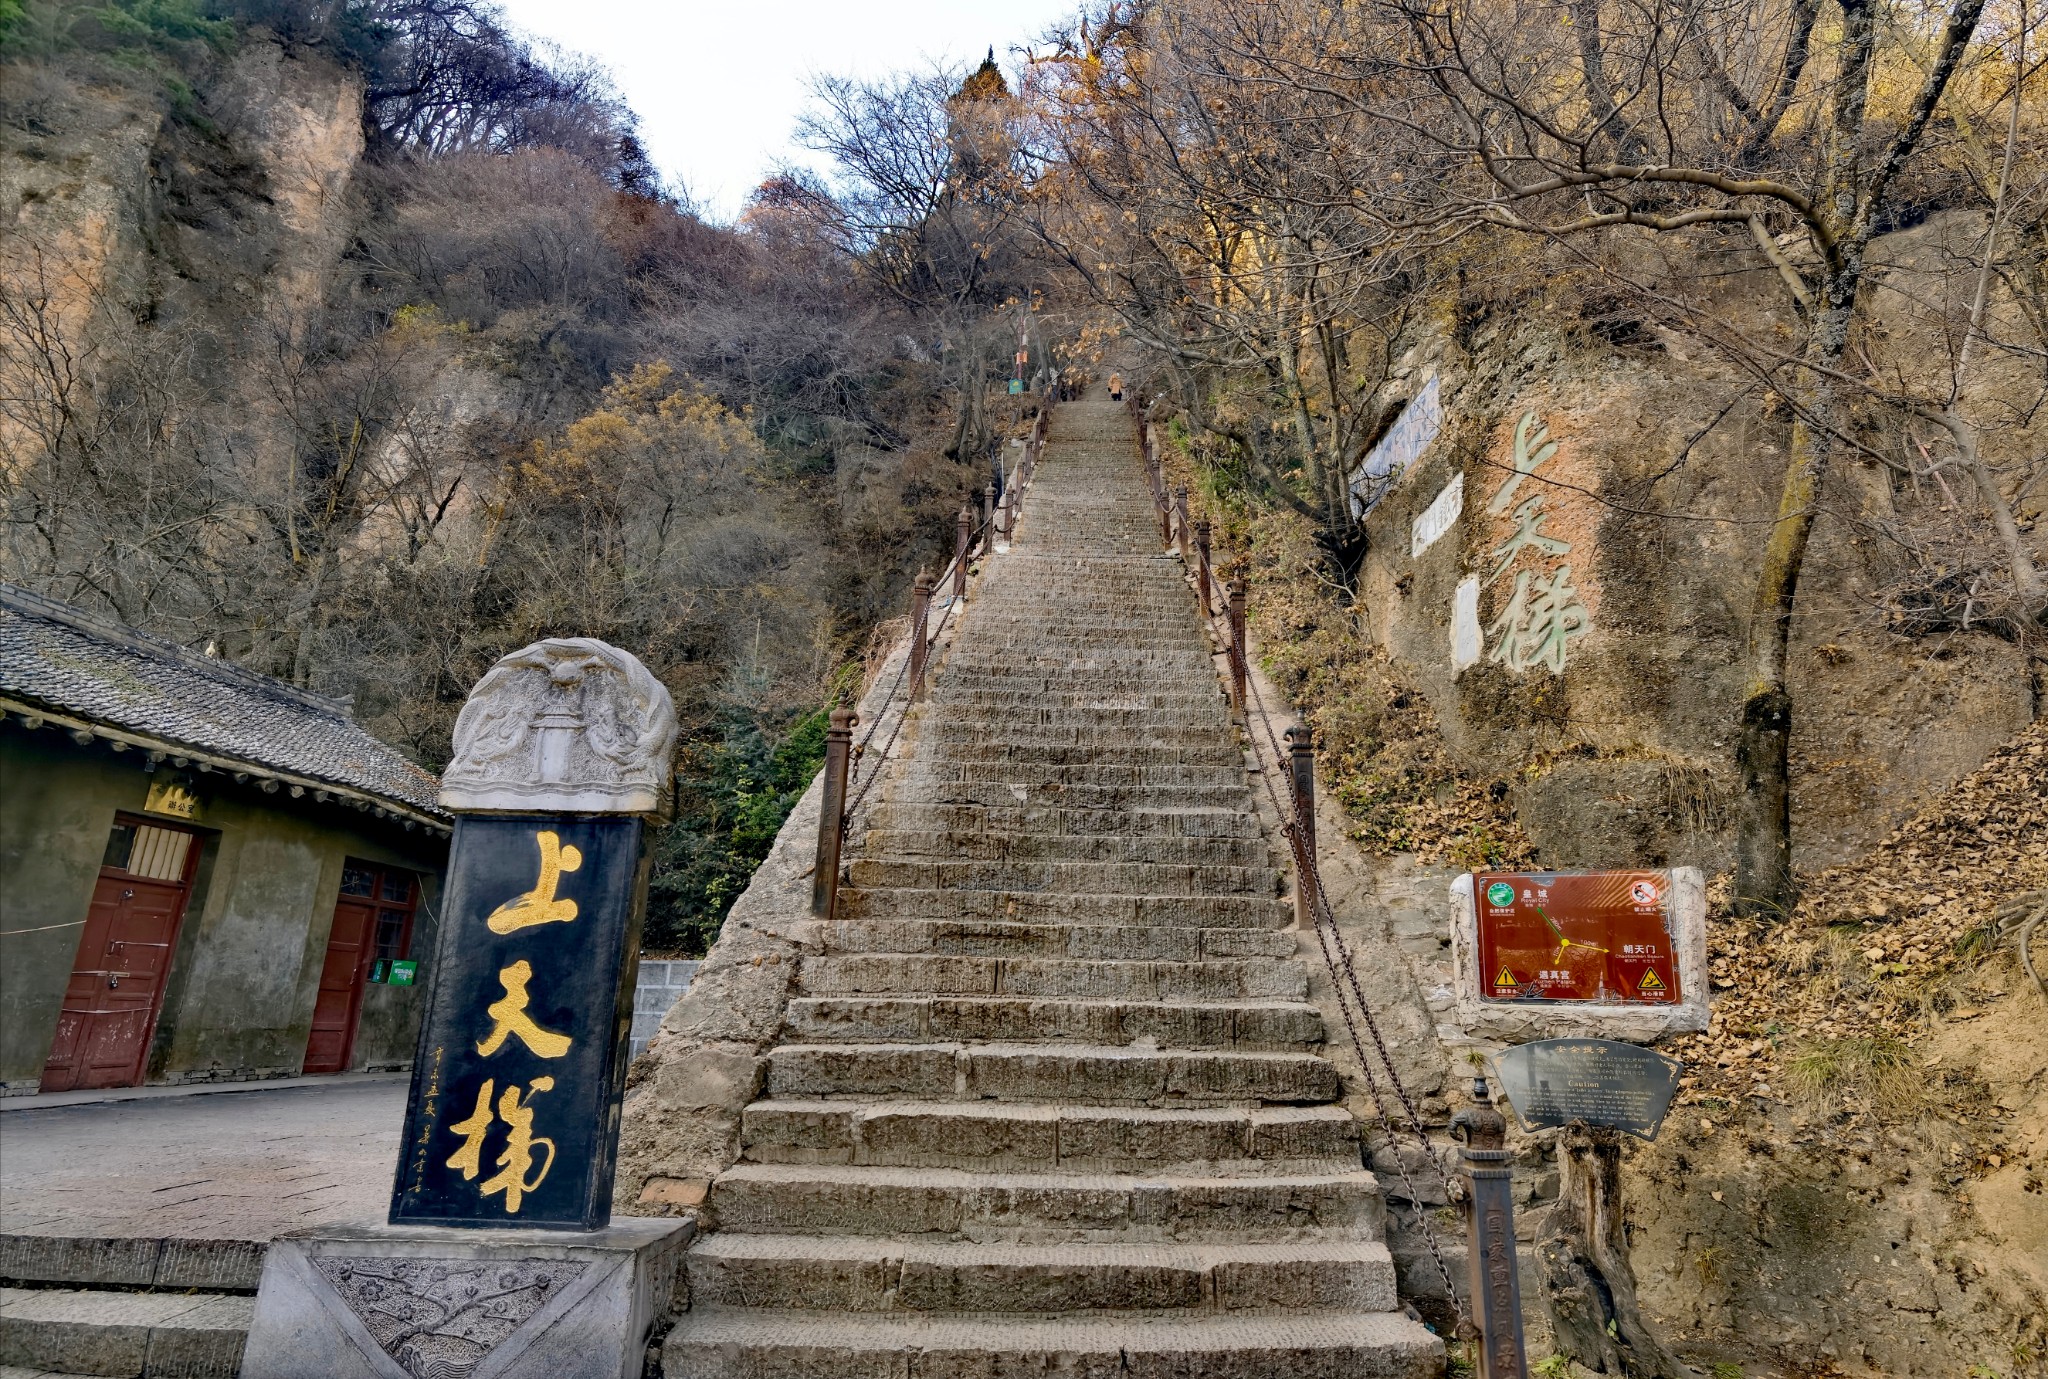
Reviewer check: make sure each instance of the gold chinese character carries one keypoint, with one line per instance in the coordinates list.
(515, 1160)
(510, 1017)
(517, 1156)
(469, 1158)
(539, 906)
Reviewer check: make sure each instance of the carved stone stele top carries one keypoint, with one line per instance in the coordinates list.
(569, 725)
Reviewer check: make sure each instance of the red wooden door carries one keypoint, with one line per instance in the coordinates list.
(372, 919)
(124, 956)
(341, 985)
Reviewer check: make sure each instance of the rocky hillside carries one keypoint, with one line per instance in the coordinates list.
(364, 392)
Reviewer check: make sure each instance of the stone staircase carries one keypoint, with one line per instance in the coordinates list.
(1051, 1102)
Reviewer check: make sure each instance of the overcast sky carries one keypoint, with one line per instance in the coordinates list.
(718, 86)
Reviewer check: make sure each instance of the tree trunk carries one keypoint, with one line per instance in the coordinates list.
(1764, 884)
(1588, 1283)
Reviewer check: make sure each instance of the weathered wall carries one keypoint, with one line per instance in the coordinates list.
(56, 808)
(239, 998)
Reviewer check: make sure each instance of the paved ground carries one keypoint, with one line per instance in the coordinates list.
(241, 1166)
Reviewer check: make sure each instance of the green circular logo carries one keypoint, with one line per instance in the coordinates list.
(1500, 893)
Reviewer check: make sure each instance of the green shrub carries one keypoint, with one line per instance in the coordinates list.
(736, 792)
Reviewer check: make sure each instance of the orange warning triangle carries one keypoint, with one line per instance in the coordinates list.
(1651, 981)
(1506, 978)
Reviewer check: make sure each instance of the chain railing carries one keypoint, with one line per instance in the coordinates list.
(853, 768)
(1297, 823)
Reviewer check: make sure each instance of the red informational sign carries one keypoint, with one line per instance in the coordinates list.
(1601, 936)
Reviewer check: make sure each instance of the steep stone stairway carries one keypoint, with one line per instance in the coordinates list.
(1051, 1102)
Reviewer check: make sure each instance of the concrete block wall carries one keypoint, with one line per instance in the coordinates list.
(662, 983)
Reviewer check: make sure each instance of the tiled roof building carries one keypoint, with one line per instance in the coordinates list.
(64, 663)
(210, 875)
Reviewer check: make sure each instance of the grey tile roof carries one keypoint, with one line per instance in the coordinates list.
(59, 658)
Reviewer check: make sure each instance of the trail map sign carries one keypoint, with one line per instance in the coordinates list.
(1602, 936)
(1599, 1081)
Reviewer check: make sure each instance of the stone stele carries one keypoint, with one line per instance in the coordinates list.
(570, 725)
(384, 1302)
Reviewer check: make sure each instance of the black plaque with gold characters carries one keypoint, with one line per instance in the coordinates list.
(514, 1115)
(1599, 1081)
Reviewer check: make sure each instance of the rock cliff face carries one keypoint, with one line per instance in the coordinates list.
(205, 221)
(1565, 570)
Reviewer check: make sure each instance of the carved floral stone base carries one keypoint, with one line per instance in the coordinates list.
(391, 1302)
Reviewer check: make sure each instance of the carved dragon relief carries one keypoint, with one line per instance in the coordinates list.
(569, 723)
(440, 1318)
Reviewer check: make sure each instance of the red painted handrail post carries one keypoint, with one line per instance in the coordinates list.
(920, 620)
(1202, 534)
(1301, 760)
(1237, 647)
(1159, 493)
(963, 532)
(831, 815)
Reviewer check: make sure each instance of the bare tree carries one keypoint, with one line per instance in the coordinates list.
(1633, 121)
(1209, 208)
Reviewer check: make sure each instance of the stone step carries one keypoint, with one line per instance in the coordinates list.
(1029, 906)
(1059, 695)
(854, 1274)
(997, 939)
(1039, 1138)
(910, 845)
(1182, 667)
(1053, 821)
(1225, 795)
(1081, 730)
(1109, 746)
(133, 1261)
(1084, 1074)
(1071, 878)
(183, 1335)
(925, 1019)
(1116, 979)
(747, 1344)
(852, 1199)
(1074, 723)
(1160, 782)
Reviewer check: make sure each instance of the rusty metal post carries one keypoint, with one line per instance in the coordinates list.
(1180, 515)
(963, 532)
(1202, 581)
(1490, 1235)
(1237, 647)
(1301, 761)
(831, 814)
(920, 622)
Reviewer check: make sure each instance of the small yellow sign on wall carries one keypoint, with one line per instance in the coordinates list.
(171, 795)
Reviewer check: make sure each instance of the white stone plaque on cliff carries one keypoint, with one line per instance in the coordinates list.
(1439, 517)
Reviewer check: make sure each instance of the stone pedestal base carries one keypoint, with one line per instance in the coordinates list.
(407, 1302)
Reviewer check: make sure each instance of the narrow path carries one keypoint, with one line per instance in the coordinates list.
(1052, 1101)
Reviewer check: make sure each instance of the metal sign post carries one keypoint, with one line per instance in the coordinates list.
(1490, 1236)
